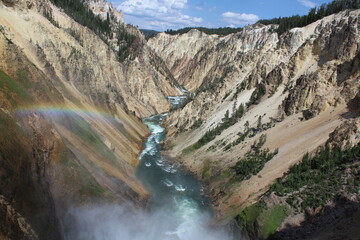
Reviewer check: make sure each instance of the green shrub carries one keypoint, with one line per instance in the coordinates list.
(197, 124)
(15, 89)
(49, 16)
(81, 14)
(259, 92)
(254, 160)
(210, 135)
(260, 221)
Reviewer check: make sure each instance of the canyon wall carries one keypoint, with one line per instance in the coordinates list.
(294, 90)
(71, 100)
(69, 113)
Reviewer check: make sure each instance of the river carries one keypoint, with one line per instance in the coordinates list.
(174, 190)
(177, 210)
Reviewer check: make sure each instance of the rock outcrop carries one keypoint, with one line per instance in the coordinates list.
(104, 9)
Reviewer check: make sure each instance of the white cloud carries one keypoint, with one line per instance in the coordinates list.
(180, 4)
(200, 6)
(239, 18)
(212, 9)
(307, 3)
(164, 13)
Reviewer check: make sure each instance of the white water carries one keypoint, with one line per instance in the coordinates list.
(177, 210)
(118, 223)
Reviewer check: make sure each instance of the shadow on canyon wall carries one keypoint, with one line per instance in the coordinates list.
(340, 221)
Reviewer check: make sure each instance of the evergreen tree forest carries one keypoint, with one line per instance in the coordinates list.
(81, 14)
(254, 160)
(127, 43)
(286, 23)
(227, 122)
(320, 177)
(149, 33)
(219, 31)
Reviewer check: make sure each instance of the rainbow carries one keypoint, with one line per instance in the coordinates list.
(54, 111)
(90, 114)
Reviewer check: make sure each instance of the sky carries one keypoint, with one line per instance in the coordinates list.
(161, 15)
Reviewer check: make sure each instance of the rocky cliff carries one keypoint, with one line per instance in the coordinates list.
(286, 95)
(69, 115)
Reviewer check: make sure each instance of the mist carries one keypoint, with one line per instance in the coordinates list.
(178, 208)
(120, 223)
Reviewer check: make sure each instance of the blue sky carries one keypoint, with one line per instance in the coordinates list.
(173, 14)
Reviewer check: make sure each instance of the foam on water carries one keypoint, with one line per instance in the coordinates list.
(168, 183)
(159, 163)
(184, 90)
(177, 209)
(169, 169)
(156, 128)
(179, 195)
(177, 101)
(180, 188)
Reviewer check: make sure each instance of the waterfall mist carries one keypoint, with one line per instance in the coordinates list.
(119, 223)
(178, 209)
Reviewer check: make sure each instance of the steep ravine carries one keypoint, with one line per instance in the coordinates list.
(73, 54)
(177, 209)
(70, 130)
(175, 193)
(296, 90)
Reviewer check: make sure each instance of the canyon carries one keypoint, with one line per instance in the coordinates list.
(69, 135)
(301, 73)
(71, 110)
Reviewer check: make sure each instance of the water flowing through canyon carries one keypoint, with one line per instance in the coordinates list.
(174, 190)
(178, 208)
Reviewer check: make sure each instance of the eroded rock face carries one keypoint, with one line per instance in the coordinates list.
(93, 67)
(70, 131)
(341, 137)
(76, 55)
(15, 226)
(104, 9)
(212, 66)
(26, 205)
(302, 84)
(312, 62)
(22, 4)
(302, 97)
(10, 2)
